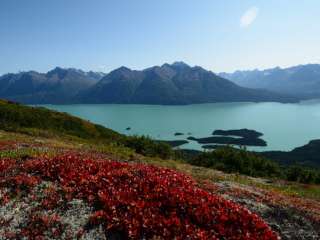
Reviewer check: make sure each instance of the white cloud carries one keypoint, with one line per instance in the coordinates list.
(248, 17)
(101, 67)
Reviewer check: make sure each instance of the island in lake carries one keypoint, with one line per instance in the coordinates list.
(174, 143)
(211, 147)
(178, 134)
(245, 133)
(241, 137)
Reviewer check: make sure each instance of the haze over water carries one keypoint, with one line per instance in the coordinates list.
(285, 126)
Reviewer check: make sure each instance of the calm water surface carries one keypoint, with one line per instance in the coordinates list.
(285, 126)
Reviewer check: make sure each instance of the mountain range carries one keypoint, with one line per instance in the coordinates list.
(176, 83)
(56, 86)
(302, 81)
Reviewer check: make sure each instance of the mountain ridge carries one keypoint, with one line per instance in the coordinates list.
(168, 84)
(174, 84)
(56, 86)
(302, 81)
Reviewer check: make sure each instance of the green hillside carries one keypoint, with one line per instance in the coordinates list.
(38, 121)
(19, 118)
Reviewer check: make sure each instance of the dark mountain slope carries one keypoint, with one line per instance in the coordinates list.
(171, 84)
(116, 87)
(56, 86)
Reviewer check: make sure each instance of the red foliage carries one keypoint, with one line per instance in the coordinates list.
(38, 227)
(41, 227)
(145, 201)
(6, 165)
(52, 198)
(20, 182)
(7, 145)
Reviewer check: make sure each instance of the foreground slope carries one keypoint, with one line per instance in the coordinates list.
(67, 186)
(54, 182)
(133, 201)
(20, 118)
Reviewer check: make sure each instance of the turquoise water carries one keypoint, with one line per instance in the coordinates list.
(285, 126)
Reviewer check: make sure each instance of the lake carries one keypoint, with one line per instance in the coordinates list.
(285, 126)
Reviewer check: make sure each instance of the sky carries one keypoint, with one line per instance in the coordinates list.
(100, 35)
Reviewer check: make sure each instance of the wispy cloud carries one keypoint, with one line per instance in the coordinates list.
(248, 17)
(101, 67)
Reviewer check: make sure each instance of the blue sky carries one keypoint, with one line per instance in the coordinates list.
(100, 35)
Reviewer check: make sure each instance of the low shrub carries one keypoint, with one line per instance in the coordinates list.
(146, 201)
(142, 201)
(148, 147)
(231, 160)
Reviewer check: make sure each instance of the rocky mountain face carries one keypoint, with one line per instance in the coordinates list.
(56, 86)
(169, 84)
(177, 83)
(302, 81)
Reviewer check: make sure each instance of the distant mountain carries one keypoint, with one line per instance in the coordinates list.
(302, 81)
(177, 83)
(57, 86)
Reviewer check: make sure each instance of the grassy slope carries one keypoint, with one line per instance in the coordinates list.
(21, 123)
(266, 197)
(19, 118)
(40, 131)
(37, 121)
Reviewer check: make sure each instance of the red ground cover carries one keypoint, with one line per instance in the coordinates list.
(143, 201)
(7, 145)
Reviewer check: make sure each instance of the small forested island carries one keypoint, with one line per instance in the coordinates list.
(174, 143)
(233, 141)
(245, 133)
(178, 134)
(192, 138)
(241, 137)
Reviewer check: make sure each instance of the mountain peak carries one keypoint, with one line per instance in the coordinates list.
(61, 72)
(120, 72)
(57, 69)
(122, 69)
(180, 64)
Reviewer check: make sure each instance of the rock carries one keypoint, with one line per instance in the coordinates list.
(178, 134)
(192, 138)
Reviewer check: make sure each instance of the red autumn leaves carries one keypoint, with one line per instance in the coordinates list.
(6, 145)
(139, 200)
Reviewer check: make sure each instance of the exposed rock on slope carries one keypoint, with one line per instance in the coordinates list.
(171, 84)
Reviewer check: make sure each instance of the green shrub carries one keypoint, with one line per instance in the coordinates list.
(233, 160)
(302, 174)
(148, 147)
(41, 121)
